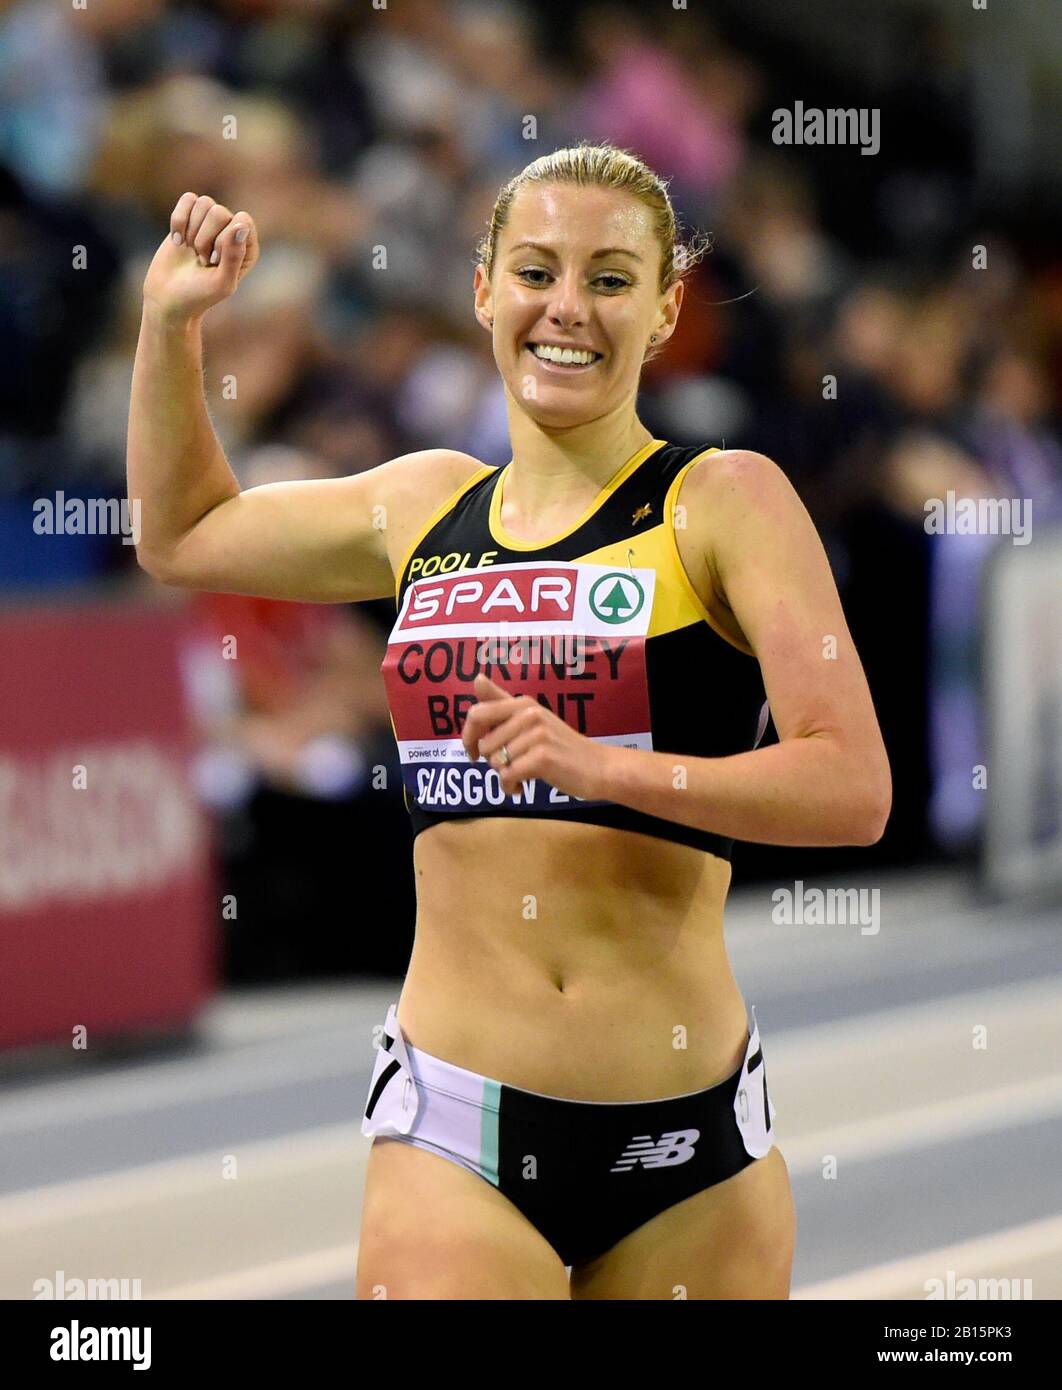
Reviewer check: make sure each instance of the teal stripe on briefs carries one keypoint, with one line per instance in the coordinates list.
(488, 1138)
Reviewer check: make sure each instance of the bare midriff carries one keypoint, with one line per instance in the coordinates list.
(574, 960)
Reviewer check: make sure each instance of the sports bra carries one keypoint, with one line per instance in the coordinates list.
(600, 623)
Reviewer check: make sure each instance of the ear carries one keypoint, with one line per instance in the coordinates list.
(484, 305)
(669, 311)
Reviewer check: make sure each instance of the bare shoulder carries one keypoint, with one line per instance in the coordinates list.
(738, 499)
(417, 486)
(433, 474)
(737, 480)
(741, 514)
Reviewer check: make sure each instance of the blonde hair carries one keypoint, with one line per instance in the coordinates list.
(603, 166)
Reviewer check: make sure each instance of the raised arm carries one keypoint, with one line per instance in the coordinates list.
(326, 540)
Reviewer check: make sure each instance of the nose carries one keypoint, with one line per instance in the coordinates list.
(568, 306)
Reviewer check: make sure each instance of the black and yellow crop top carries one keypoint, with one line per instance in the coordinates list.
(600, 624)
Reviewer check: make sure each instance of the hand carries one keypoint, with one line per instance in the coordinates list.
(216, 249)
(539, 744)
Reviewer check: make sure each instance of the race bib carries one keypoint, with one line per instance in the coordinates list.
(571, 636)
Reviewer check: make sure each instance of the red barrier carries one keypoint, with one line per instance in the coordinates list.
(108, 906)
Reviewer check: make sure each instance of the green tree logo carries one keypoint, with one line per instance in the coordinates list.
(616, 597)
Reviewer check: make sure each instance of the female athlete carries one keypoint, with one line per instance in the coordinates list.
(571, 1080)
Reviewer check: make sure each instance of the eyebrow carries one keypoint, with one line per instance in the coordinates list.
(596, 255)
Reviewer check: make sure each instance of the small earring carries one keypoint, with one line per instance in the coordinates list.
(653, 338)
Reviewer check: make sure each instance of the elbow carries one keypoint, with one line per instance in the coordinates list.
(156, 565)
(872, 828)
(870, 815)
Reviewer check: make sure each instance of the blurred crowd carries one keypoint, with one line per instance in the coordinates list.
(347, 128)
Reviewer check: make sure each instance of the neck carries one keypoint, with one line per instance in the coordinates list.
(552, 468)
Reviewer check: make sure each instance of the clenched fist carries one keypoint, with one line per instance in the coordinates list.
(200, 263)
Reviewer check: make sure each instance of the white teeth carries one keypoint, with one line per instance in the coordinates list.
(565, 356)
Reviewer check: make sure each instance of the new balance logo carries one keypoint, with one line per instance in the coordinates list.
(667, 1151)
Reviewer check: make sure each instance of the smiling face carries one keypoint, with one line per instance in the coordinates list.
(575, 297)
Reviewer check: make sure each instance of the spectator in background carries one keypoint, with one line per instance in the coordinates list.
(53, 89)
(642, 93)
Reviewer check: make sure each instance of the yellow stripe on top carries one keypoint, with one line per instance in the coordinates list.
(672, 607)
(676, 603)
(669, 526)
(437, 516)
(502, 536)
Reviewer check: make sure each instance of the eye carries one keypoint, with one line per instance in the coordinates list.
(619, 281)
(614, 282)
